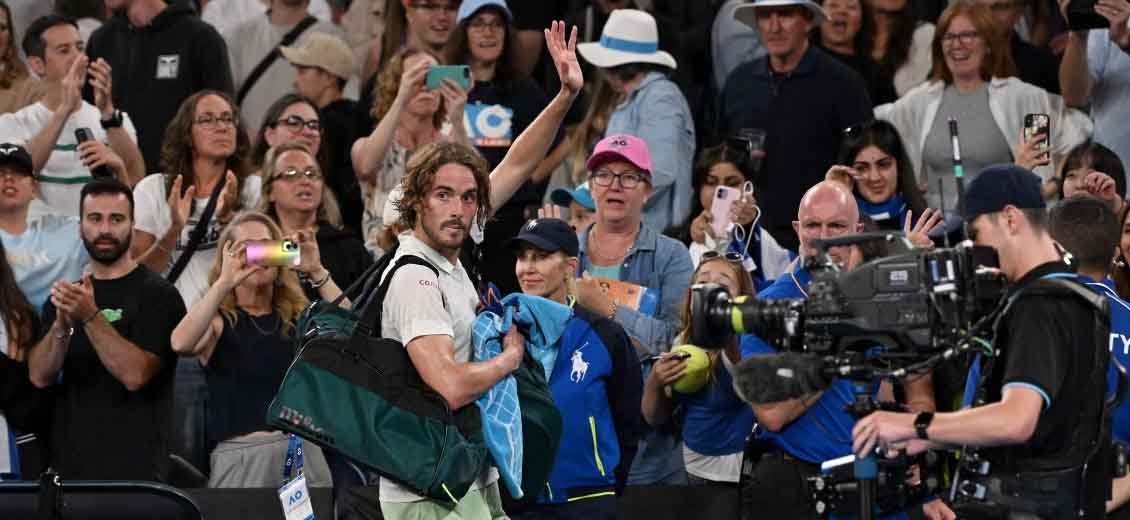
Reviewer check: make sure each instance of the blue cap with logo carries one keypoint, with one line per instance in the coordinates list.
(1002, 185)
(468, 9)
(581, 195)
(548, 234)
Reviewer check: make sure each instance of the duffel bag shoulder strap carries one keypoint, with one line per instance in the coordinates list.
(356, 289)
(371, 316)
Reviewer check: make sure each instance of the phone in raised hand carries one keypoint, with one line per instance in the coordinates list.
(461, 74)
(724, 199)
(1036, 125)
(273, 253)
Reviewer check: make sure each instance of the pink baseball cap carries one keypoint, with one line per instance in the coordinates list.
(621, 147)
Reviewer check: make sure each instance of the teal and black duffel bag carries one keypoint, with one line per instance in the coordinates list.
(351, 391)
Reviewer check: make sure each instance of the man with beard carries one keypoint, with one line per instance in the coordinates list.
(431, 309)
(108, 352)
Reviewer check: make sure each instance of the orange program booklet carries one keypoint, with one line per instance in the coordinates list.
(635, 297)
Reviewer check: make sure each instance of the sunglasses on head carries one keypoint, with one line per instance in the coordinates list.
(729, 256)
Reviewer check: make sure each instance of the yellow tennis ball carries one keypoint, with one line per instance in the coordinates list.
(697, 373)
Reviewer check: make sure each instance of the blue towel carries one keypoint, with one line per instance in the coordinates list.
(541, 322)
(501, 414)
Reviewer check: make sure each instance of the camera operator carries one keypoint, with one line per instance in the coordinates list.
(1087, 228)
(806, 431)
(1039, 400)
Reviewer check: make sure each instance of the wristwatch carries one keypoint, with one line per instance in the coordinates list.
(115, 120)
(921, 422)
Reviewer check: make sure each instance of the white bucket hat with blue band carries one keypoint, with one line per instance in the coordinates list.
(629, 36)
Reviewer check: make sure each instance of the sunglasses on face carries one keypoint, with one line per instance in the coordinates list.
(293, 173)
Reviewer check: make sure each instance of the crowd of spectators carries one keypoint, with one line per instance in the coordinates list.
(225, 121)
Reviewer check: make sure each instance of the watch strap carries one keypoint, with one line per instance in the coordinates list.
(921, 423)
(115, 121)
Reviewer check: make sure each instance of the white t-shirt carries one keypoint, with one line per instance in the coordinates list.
(416, 305)
(151, 215)
(226, 14)
(248, 43)
(62, 178)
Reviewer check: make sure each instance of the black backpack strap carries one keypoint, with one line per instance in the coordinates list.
(371, 316)
(198, 232)
(270, 58)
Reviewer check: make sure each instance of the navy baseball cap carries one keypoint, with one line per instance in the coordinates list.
(548, 234)
(1002, 185)
(580, 194)
(12, 154)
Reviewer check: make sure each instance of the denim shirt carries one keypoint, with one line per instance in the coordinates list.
(661, 264)
(658, 113)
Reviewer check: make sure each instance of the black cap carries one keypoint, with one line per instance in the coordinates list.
(1002, 185)
(12, 154)
(548, 234)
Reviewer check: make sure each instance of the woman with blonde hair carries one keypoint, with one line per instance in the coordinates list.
(410, 116)
(717, 421)
(242, 334)
(296, 197)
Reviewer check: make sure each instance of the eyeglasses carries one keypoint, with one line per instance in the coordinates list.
(481, 26)
(296, 123)
(435, 7)
(292, 173)
(628, 180)
(965, 37)
(729, 256)
(211, 121)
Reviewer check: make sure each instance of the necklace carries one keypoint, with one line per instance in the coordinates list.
(601, 257)
(270, 330)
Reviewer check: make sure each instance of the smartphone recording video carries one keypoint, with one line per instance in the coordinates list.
(273, 253)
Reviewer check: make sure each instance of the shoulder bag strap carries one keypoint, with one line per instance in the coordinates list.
(198, 233)
(270, 58)
(371, 316)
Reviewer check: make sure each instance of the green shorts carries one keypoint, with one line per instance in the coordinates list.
(480, 504)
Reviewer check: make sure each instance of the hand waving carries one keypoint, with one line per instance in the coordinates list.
(564, 55)
(919, 234)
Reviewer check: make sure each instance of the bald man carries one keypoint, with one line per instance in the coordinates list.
(827, 210)
(802, 433)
